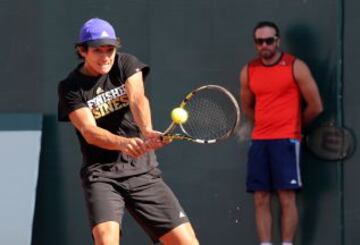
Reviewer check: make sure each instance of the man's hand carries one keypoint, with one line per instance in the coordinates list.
(153, 140)
(134, 147)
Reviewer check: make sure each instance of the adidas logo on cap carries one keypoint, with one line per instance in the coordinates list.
(104, 34)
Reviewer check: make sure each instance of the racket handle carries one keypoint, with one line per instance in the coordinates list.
(166, 138)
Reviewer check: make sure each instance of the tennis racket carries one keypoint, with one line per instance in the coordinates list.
(330, 142)
(213, 115)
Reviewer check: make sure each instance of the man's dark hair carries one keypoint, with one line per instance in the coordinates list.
(77, 46)
(262, 24)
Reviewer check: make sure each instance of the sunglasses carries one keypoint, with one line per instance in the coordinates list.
(268, 40)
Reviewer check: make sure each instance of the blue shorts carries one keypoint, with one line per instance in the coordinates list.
(274, 165)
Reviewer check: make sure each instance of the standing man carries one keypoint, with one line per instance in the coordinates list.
(104, 99)
(273, 89)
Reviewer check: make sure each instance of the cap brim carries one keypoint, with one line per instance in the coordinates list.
(102, 42)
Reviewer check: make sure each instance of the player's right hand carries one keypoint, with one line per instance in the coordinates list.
(134, 147)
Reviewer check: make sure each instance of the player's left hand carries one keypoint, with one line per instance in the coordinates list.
(154, 141)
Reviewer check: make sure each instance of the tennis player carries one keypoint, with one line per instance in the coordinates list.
(104, 99)
(273, 89)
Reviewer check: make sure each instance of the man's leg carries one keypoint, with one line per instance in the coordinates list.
(106, 233)
(263, 215)
(289, 214)
(180, 235)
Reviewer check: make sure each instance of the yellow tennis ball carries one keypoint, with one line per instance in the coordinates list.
(179, 115)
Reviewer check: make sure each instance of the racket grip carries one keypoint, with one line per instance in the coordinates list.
(166, 138)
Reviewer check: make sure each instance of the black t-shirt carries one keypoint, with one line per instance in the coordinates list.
(107, 99)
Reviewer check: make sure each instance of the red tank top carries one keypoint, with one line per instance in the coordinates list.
(277, 99)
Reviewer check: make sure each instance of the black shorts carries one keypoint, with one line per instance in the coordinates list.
(147, 198)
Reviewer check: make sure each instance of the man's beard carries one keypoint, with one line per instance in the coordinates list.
(267, 54)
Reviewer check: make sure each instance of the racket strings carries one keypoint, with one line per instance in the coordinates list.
(212, 115)
(331, 143)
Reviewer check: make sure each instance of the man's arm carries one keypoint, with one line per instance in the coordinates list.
(139, 103)
(309, 91)
(84, 121)
(247, 97)
(140, 109)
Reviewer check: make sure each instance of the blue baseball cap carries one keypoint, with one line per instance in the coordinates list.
(97, 32)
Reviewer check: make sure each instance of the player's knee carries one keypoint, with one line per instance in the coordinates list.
(195, 242)
(106, 236)
(183, 238)
(287, 204)
(189, 240)
(287, 199)
(262, 199)
(183, 241)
